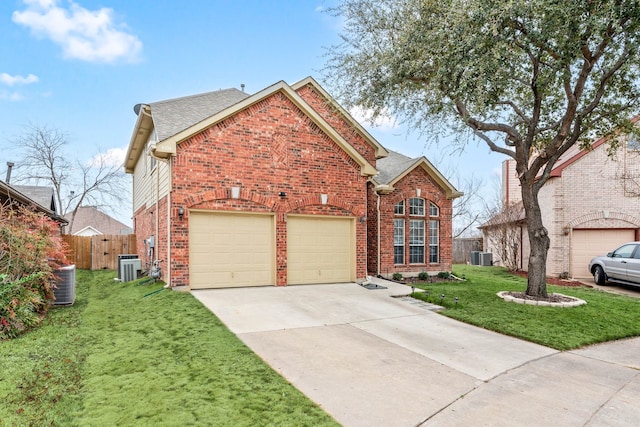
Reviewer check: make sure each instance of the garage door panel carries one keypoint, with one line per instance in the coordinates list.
(319, 250)
(230, 250)
(588, 243)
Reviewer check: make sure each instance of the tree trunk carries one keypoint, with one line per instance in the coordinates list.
(538, 242)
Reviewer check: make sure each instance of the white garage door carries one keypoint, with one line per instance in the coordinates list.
(320, 250)
(585, 244)
(230, 250)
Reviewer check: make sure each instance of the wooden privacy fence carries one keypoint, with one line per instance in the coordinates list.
(99, 252)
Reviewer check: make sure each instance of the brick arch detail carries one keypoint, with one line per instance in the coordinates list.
(600, 215)
(226, 193)
(316, 200)
(410, 195)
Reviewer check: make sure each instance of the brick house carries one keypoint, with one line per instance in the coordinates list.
(90, 221)
(590, 205)
(275, 188)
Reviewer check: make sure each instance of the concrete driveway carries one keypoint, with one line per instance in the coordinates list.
(372, 360)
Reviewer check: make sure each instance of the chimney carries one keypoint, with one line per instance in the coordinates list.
(9, 167)
(242, 86)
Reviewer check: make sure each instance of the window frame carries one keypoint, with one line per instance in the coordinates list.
(434, 210)
(434, 241)
(399, 234)
(417, 241)
(400, 205)
(420, 208)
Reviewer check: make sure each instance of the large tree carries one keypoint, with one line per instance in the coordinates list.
(530, 78)
(43, 159)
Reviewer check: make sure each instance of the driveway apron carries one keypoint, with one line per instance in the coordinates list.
(369, 359)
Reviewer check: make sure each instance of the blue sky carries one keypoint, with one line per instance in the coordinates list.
(80, 66)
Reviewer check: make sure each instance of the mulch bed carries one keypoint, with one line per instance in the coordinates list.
(556, 281)
(549, 298)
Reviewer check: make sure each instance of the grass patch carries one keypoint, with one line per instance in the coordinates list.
(117, 357)
(605, 317)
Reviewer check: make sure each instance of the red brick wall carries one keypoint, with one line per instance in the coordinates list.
(268, 148)
(145, 225)
(337, 121)
(404, 190)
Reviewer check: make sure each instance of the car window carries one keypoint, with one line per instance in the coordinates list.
(624, 251)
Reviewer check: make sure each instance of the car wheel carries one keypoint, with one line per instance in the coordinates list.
(598, 276)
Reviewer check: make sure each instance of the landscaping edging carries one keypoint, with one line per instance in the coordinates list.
(505, 295)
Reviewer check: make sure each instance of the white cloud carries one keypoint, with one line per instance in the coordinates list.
(83, 34)
(11, 96)
(10, 80)
(112, 157)
(384, 122)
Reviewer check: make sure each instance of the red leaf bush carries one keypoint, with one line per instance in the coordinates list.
(30, 250)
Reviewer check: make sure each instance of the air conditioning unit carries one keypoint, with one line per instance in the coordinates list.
(122, 257)
(475, 257)
(486, 258)
(129, 269)
(65, 291)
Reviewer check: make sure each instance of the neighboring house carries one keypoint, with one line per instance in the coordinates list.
(279, 187)
(39, 198)
(89, 221)
(590, 205)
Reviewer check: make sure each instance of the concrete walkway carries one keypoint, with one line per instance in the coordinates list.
(372, 360)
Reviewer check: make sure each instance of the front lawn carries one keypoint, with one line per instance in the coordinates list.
(605, 317)
(118, 357)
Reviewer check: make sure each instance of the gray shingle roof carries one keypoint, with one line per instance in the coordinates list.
(41, 195)
(391, 166)
(175, 115)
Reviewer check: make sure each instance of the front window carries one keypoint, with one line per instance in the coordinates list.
(416, 241)
(398, 241)
(434, 241)
(398, 209)
(433, 210)
(416, 206)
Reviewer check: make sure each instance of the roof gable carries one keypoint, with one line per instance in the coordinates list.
(379, 149)
(396, 166)
(90, 217)
(167, 147)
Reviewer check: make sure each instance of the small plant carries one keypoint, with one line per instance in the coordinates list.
(397, 276)
(444, 275)
(424, 276)
(564, 275)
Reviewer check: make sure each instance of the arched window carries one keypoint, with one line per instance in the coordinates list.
(433, 209)
(416, 206)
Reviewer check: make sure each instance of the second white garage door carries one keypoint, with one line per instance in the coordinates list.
(230, 250)
(585, 244)
(320, 250)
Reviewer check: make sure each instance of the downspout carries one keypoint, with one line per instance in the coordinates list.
(168, 278)
(378, 233)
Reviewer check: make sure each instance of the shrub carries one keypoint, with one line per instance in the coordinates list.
(423, 276)
(444, 275)
(30, 251)
(397, 276)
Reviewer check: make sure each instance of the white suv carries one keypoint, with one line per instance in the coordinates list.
(620, 266)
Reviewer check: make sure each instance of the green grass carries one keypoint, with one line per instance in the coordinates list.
(605, 317)
(117, 357)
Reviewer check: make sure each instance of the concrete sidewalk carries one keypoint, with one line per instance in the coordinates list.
(372, 360)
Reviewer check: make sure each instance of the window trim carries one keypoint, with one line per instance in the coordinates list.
(436, 208)
(401, 205)
(400, 235)
(419, 208)
(434, 241)
(421, 240)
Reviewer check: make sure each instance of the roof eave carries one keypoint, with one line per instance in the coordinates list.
(139, 137)
(450, 191)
